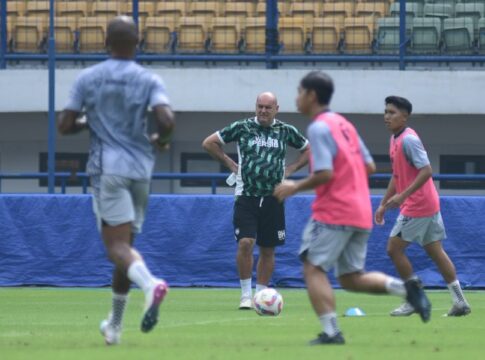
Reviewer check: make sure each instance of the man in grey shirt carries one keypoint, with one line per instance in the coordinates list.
(115, 95)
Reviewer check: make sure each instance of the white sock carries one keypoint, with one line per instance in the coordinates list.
(456, 292)
(260, 287)
(141, 276)
(413, 277)
(329, 323)
(246, 290)
(395, 286)
(118, 309)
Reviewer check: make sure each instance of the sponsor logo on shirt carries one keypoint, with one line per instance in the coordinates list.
(263, 142)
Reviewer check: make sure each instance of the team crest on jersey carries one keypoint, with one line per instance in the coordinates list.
(281, 235)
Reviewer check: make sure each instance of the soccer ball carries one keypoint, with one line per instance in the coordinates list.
(268, 302)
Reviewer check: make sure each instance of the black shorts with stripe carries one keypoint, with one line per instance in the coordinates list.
(261, 218)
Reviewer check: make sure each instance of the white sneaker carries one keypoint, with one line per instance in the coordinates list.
(405, 309)
(245, 304)
(112, 335)
(459, 309)
(152, 302)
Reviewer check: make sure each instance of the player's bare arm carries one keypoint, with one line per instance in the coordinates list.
(370, 168)
(300, 162)
(289, 187)
(213, 146)
(390, 192)
(424, 174)
(69, 122)
(164, 118)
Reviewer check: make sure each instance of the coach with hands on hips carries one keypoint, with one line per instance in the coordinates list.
(259, 218)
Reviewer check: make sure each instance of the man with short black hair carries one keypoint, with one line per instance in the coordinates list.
(116, 95)
(258, 217)
(336, 235)
(412, 190)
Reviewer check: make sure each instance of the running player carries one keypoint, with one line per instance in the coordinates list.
(115, 95)
(412, 190)
(337, 233)
(258, 217)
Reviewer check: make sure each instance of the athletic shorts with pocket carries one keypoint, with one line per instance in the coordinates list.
(334, 246)
(423, 230)
(261, 218)
(119, 200)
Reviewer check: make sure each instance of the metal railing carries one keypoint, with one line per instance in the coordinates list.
(64, 177)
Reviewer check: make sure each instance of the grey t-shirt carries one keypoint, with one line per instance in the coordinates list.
(116, 95)
(324, 148)
(414, 151)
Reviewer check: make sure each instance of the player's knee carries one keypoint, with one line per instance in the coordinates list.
(393, 251)
(245, 245)
(117, 253)
(266, 253)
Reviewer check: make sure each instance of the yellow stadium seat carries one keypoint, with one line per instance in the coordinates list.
(29, 33)
(338, 9)
(192, 33)
(255, 34)
(158, 34)
(37, 8)
(73, 8)
(208, 9)
(377, 9)
(292, 34)
(226, 34)
(239, 9)
(305, 9)
(173, 9)
(359, 33)
(145, 9)
(107, 9)
(65, 28)
(326, 34)
(92, 34)
(15, 8)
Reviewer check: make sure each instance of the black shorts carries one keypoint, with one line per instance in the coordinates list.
(261, 218)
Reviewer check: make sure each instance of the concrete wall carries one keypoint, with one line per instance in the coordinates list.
(228, 90)
(24, 135)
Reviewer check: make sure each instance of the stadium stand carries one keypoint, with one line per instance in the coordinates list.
(304, 27)
(388, 34)
(255, 31)
(412, 10)
(192, 33)
(175, 9)
(458, 35)
(29, 34)
(73, 8)
(106, 9)
(92, 33)
(359, 34)
(241, 10)
(327, 34)
(293, 33)
(65, 29)
(226, 34)
(158, 34)
(426, 35)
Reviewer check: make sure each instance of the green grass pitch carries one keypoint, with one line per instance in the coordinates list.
(46, 323)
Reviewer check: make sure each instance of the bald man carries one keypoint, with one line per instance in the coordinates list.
(116, 94)
(259, 218)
